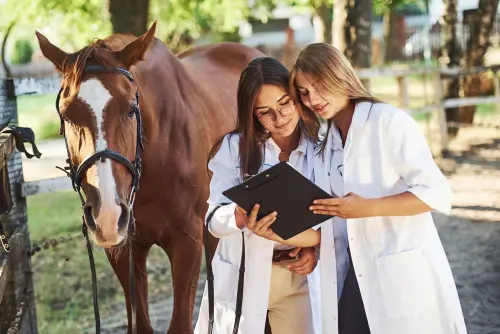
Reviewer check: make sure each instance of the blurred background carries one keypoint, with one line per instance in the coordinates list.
(436, 59)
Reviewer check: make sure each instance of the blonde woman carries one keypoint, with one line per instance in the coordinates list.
(383, 267)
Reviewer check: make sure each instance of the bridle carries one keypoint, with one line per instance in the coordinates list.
(75, 173)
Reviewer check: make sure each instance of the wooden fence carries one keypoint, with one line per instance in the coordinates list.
(17, 304)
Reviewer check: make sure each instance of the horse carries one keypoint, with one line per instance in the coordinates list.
(187, 102)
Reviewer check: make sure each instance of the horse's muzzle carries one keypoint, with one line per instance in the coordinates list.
(110, 227)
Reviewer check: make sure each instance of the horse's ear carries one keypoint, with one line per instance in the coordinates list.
(51, 52)
(136, 50)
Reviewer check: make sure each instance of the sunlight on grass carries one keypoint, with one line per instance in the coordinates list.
(39, 113)
(53, 214)
(63, 286)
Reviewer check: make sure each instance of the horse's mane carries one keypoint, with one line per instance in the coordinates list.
(74, 65)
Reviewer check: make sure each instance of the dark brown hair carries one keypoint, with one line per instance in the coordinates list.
(260, 71)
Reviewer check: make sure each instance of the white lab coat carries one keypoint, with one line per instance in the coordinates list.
(404, 276)
(259, 251)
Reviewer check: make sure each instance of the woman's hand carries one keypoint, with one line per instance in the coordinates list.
(349, 206)
(240, 215)
(306, 262)
(261, 226)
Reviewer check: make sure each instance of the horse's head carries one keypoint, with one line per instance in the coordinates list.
(100, 119)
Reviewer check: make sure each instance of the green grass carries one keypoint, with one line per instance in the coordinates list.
(62, 281)
(53, 214)
(39, 113)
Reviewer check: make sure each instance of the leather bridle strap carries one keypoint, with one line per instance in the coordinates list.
(102, 155)
(76, 174)
(210, 277)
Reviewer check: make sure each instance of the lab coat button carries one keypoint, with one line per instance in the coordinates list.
(360, 275)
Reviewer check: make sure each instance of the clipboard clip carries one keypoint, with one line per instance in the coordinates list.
(254, 181)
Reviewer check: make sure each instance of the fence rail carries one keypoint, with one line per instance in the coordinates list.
(15, 267)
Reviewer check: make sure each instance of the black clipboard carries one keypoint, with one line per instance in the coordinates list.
(283, 189)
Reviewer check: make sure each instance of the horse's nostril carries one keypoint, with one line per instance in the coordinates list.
(124, 216)
(89, 218)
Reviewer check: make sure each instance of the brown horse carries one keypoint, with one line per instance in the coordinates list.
(186, 102)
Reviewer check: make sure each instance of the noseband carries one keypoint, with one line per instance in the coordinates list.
(75, 173)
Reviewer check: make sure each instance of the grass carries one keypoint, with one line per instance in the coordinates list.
(39, 113)
(63, 288)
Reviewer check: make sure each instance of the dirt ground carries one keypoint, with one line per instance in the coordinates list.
(470, 235)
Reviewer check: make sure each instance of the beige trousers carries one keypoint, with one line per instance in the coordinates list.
(289, 309)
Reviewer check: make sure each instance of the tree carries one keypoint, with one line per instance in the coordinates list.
(72, 23)
(358, 32)
(391, 11)
(479, 24)
(130, 16)
(451, 54)
(181, 21)
(321, 9)
(480, 27)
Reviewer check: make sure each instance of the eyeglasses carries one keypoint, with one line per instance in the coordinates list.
(271, 115)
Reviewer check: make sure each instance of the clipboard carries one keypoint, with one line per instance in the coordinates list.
(283, 189)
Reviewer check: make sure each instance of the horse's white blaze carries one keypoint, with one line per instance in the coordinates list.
(96, 96)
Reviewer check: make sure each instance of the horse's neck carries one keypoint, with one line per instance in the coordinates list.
(167, 91)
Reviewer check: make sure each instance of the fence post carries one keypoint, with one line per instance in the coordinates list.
(19, 281)
(440, 113)
(496, 83)
(403, 92)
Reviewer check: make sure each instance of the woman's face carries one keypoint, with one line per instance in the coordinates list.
(325, 105)
(276, 111)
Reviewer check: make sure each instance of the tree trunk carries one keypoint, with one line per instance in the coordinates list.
(129, 16)
(358, 34)
(391, 38)
(8, 72)
(479, 41)
(324, 13)
(339, 24)
(451, 54)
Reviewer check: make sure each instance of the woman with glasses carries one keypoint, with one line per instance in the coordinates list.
(269, 130)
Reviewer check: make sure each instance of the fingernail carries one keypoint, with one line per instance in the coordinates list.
(315, 202)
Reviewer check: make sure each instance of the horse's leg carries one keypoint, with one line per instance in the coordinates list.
(183, 248)
(119, 261)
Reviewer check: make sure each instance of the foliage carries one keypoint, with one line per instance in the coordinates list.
(70, 24)
(382, 6)
(181, 20)
(23, 51)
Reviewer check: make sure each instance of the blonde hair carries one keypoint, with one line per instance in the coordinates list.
(331, 72)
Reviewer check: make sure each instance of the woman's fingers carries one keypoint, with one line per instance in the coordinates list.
(326, 212)
(264, 223)
(252, 218)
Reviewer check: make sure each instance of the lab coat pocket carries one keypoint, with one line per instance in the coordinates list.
(403, 279)
(225, 281)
